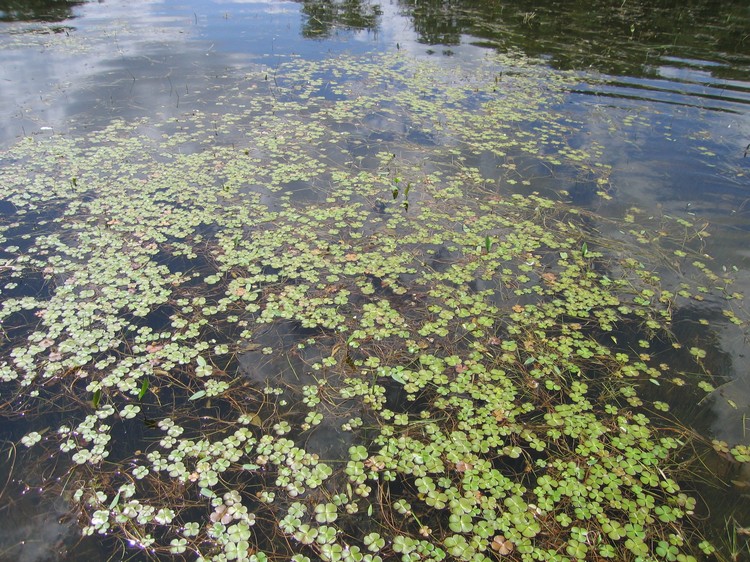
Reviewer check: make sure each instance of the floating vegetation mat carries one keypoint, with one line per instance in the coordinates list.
(305, 324)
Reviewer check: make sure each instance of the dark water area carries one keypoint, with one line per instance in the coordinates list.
(662, 86)
(25, 11)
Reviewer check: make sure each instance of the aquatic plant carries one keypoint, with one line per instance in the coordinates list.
(274, 334)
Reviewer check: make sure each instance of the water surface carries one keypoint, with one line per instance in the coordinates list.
(659, 95)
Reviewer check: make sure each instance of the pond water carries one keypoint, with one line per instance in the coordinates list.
(374, 280)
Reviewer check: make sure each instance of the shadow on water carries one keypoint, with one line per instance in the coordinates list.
(324, 19)
(37, 10)
(622, 38)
